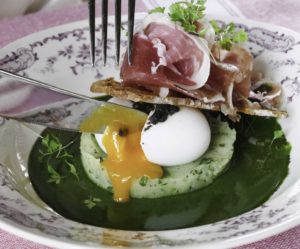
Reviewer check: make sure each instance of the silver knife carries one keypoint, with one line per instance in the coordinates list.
(29, 100)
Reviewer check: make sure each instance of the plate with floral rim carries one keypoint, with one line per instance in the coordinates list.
(60, 56)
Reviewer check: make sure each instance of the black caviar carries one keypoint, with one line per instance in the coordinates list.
(143, 107)
(161, 114)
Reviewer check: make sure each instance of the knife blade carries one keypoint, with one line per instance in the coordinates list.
(32, 101)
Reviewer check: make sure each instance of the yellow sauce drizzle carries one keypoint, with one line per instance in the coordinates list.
(126, 160)
(108, 114)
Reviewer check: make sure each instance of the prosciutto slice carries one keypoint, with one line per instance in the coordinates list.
(166, 57)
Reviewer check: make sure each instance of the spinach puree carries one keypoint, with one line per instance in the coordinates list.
(258, 167)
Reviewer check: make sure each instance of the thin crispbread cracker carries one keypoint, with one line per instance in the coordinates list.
(113, 88)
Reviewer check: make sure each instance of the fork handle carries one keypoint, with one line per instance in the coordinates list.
(131, 12)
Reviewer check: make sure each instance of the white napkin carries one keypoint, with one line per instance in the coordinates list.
(214, 7)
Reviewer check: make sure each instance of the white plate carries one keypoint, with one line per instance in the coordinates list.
(60, 56)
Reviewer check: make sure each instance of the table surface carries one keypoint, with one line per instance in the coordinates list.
(284, 13)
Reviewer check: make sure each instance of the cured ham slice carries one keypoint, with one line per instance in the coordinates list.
(171, 63)
(166, 56)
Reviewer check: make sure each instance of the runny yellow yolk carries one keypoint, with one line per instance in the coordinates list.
(125, 160)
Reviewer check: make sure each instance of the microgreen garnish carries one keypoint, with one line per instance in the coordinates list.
(54, 176)
(91, 202)
(52, 148)
(52, 145)
(187, 13)
(72, 169)
(228, 35)
(157, 10)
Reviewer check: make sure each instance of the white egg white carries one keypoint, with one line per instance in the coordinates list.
(98, 137)
(181, 139)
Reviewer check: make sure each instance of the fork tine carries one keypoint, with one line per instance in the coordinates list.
(104, 28)
(92, 20)
(131, 11)
(118, 10)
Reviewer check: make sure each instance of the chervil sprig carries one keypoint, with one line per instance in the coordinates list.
(228, 35)
(187, 13)
(53, 149)
(157, 10)
(91, 202)
(52, 145)
(54, 176)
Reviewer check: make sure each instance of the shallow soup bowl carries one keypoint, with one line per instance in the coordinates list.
(60, 56)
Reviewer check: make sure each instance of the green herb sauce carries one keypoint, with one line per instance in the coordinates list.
(258, 167)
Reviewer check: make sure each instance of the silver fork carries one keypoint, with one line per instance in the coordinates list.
(118, 26)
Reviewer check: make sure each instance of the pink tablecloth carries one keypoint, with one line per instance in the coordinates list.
(285, 13)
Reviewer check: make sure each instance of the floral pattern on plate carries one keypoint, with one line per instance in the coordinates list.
(60, 56)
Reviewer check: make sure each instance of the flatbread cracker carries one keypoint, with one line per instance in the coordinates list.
(113, 88)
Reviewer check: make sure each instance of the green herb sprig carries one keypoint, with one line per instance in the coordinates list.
(53, 148)
(91, 202)
(54, 176)
(157, 10)
(228, 35)
(187, 13)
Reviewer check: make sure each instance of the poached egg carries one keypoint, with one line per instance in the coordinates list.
(181, 139)
(136, 147)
